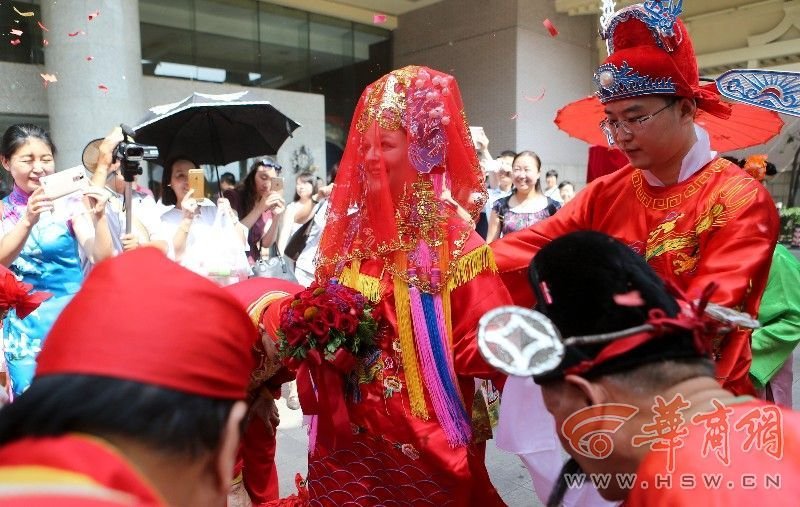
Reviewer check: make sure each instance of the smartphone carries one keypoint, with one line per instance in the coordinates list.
(65, 182)
(277, 184)
(197, 182)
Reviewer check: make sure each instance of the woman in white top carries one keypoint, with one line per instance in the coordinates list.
(301, 209)
(189, 219)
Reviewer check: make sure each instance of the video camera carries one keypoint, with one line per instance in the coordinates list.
(130, 151)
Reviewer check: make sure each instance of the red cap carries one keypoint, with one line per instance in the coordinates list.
(651, 53)
(144, 318)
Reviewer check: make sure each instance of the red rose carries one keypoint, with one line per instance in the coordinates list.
(348, 324)
(296, 335)
(319, 328)
(328, 315)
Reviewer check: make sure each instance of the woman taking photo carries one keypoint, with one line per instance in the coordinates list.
(526, 205)
(259, 206)
(190, 220)
(41, 249)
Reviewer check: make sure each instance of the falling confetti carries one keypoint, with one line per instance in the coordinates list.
(378, 19)
(16, 42)
(24, 14)
(16, 32)
(632, 298)
(42, 26)
(102, 87)
(93, 15)
(75, 34)
(89, 58)
(550, 27)
(48, 78)
(44, 42)
(535, 99)
(514, 116)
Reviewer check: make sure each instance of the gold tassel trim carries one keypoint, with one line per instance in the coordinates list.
(402, 302)
(369, 286)
(471, 265)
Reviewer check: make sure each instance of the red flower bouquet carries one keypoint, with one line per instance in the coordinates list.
(322, 333)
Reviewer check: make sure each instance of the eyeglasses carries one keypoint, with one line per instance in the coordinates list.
(611, 128)
(270, 163)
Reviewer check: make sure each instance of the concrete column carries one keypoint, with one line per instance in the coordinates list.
(99, 72)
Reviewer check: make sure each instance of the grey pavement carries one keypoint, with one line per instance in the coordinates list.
(508, 474)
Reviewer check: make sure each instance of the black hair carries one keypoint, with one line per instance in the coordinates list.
(508, 153)
(307, 177)
(771, 169)
(565, 183)
(168, 196)
(533, 155)
(228, 178)
(249, 195)
(168, 421)
(551, 172)
(18, 134)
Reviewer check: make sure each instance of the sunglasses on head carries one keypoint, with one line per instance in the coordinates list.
(269, 163)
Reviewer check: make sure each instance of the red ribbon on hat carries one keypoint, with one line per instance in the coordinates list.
(694, 320)
(328, 403)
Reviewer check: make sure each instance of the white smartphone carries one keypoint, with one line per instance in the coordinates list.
(65, 182)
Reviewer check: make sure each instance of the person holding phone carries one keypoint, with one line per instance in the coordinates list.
(259, 203)
(190, 217)
(40, 249)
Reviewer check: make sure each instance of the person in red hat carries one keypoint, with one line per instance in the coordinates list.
(255, 465)
(121, 414)
(693, 216)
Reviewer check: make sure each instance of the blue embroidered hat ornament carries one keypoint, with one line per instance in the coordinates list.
(650, 53)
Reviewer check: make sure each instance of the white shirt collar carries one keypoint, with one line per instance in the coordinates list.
(698, 157)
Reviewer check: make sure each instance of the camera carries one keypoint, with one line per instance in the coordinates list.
(133, 152)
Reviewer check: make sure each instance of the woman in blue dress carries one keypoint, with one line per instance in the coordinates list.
(39, 248)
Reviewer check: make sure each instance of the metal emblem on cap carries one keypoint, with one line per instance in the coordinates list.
(519, 341)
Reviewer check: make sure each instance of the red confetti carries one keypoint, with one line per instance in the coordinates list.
(42, 26)
(44, 42)
(378, 19)
(89, 58)
(103, 87)
(93, 15)
(632, 298)
(16, 32)
(550, 27)
(514, 116)
(16, 42)
(79, 32)
(535, 99)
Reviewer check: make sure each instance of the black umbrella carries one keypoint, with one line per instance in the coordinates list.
(215, 129)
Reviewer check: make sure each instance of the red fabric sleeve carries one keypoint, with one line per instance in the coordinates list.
(513, 253)
(469, 303)
(737, 256)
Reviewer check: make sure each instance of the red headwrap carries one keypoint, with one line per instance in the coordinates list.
(650, 53)
(371, 215)
(144, 318)
(259, 294)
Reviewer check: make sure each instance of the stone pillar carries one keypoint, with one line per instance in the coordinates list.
(99, 72)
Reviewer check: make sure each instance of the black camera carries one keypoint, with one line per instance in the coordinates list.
(133, 152)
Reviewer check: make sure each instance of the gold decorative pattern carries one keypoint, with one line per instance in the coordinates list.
(675, 200)
(387, 100)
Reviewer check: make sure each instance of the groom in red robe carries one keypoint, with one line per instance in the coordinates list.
(694, 217)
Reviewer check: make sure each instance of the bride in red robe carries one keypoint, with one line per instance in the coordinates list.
(395, 233)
